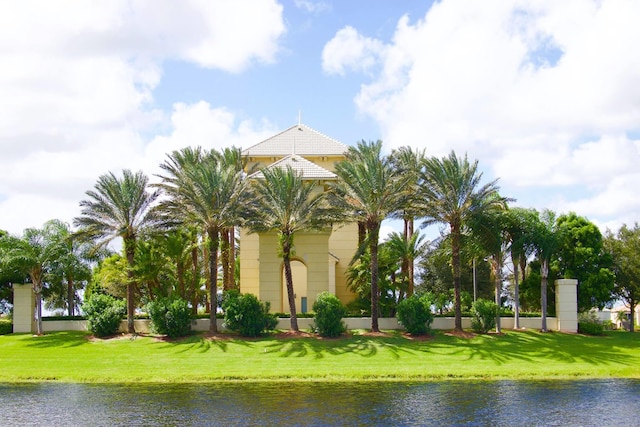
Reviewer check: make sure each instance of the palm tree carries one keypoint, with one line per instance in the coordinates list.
(452, 193)
(206, 193)
(519, 226)
(119, 208)
(72, 268)
(408, 250)
(368, 190)
(285, 203)
(489, 231)
(546, 238)
(408, 162)
(32, 255)
(233, 158)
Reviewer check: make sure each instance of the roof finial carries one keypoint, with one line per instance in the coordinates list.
(299, 117)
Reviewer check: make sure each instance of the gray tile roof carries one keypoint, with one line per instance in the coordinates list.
(305, 168)
(298, 139)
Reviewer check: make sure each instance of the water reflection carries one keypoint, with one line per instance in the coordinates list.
(501, 403)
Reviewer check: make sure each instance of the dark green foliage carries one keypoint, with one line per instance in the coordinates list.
(581, 256)
(244, 313)
(483, 315)
(104, 314)
(329, 313)
(6, 326)
(170, 316)
(588, 323)
(414, 313)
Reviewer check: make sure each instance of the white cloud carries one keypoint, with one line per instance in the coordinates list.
(348, 50)
(542, 93)
(77, 85)
(313, 6)
(200, 125)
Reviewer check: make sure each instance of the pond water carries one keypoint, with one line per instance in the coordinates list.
(495, 403)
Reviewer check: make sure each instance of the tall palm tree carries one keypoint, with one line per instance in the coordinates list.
(232, 157)
(72, 268)
(489, 231)
(408, 250)
(519, 226)
(32, 255)
(119, 207)
(206, 193)
(409, 162)
(452, 193)
(368, 190)
(547, 237)
(285, 203)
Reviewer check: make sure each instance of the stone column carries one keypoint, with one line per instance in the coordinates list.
(567, 305)
(24, 303)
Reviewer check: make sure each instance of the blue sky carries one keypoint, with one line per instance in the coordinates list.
(544, 94)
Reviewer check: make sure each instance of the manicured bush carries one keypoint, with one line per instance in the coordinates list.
(329, 312)
(414, 313)
(170, 316)
(588, 323)
(245, 314)
(104, 314)
(483, 315)
(6, 326)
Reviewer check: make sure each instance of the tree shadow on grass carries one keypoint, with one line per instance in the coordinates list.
(536, 347)
(365, 346)
(201, 343)
(57, 339)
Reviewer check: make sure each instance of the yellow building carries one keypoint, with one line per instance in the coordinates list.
(321, 258)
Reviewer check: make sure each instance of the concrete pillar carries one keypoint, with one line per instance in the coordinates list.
(567, 305)
(24, 303)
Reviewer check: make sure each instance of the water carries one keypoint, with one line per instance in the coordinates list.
(499, 403)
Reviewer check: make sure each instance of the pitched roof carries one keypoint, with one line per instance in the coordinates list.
(298, 139)
(300, 165)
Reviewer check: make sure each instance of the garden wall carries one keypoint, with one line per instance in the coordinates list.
(439, 323)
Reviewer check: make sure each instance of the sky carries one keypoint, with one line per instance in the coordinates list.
(544, 94)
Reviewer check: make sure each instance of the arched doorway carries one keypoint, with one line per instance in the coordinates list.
(299, 275)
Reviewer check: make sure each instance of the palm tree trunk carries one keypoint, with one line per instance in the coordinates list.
(411, 260)
(374, 231)
(224, 255)
(129, 248)
(214, 242)
(195, 283)
(544, 273)
(516, 294)
(286, 257)
(455, 258)
(37, 289)
(71, 297)
(498, 286)
(232, 257)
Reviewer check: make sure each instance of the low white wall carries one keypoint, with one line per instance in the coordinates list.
(388, 323)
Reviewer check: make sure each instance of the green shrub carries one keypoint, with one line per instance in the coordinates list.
(483, 315)
(588, 323)
(245, 314)
(414, 313)
(6, 326)
(170, 316)
(329, 312)
(104, 314)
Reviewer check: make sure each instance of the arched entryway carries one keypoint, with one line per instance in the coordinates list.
(299, 274)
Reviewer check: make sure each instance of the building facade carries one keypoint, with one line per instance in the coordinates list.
(321, 258)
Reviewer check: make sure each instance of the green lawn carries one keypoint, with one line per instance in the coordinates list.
(73, 357)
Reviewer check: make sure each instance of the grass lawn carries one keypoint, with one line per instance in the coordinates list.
(76, 357)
